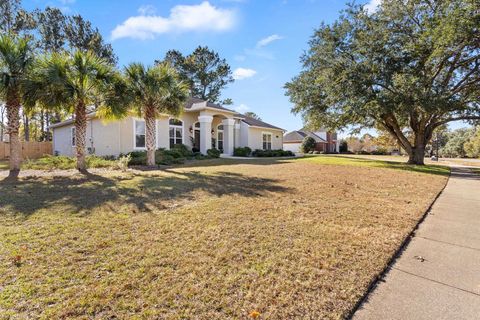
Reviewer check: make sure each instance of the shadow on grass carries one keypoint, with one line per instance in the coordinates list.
(82, 193)
(226, 161)
(352, 160)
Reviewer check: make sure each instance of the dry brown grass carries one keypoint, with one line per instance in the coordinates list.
(289, 239)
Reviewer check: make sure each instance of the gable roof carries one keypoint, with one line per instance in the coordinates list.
(299, 135)
(190, 104)
(257, 123)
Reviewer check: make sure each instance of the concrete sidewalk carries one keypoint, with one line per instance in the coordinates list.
(437, 276)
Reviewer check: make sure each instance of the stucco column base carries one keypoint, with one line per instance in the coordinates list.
(205, 133)
(228, 136)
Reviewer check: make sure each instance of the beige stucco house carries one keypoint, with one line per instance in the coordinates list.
(201, 126)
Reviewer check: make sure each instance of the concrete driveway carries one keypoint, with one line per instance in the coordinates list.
(437, 276)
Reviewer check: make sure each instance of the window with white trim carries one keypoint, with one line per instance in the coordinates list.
(139, 134)
(267, 141)
(175, 132)
(220, 137)
(74, 136)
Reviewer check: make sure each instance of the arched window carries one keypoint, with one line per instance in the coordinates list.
(176, 132)
(220, 137)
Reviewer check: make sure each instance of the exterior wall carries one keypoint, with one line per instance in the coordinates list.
(62, 143)
(163, 133)
(236, 132)
(116, 137)
(189, 119)
(126, 135)
(255, 138)
(104, 137)
(243, 142)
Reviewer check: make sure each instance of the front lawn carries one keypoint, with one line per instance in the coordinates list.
(219, 239)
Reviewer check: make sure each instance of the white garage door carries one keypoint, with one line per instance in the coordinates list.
(294, 147)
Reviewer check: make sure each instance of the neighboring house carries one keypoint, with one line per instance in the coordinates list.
(201, 126)
(324, 141)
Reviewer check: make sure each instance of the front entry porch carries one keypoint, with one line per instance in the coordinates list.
(213, 131)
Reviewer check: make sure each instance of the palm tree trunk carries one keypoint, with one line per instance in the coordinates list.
(80, 135)
(150, 135)
(13, 116)
(2, 111)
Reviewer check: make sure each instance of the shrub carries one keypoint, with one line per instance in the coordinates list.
(242, 152)
(272, 153)
(343, 146)
(184, 150)
(123, 161)
(138, 158)
(380, 151)
(214, 153)
(51, 162)
(316, 152)
(362, 152)
(199, 156)
(308, 144)
(98, 162)
(175, 153)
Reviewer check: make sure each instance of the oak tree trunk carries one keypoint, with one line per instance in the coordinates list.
(417, 153)
(150, 135)
(13, 117)
(417, 156)
(80, 135)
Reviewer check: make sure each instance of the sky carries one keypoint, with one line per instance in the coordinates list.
(262, 40)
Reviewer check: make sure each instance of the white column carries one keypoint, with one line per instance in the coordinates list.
(228, 138)
(205, 133)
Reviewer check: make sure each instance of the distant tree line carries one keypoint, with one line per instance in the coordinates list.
(459, 143)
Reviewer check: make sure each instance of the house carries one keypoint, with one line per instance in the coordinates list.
(201, 126)
(324, 141)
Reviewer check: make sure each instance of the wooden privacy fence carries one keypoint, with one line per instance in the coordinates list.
(30, 149)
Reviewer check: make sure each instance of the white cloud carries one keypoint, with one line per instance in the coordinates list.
(147, 10)
(372, 6)
(242, 108)
(265, 41)
(65, 2)
(182, 18)
(243, 73)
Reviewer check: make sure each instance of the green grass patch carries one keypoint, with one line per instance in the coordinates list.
(352, 161)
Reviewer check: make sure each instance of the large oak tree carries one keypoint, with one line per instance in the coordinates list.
(411, 66)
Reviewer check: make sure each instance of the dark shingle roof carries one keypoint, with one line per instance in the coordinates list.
(256, 123)
(294, 136)
(299, 135)
(193, 100)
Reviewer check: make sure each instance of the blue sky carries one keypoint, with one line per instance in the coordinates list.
(262, 40)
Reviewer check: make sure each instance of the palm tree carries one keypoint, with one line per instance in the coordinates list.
(154, 91)
(74, 82)
(16, 59)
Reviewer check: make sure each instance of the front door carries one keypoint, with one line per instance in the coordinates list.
(197, 139)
